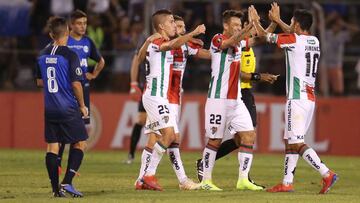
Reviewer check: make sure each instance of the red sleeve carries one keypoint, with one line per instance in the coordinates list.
(194, 46)
(285, 39)
(218, 40)
(159, 41)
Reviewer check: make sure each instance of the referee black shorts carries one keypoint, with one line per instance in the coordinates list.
(249, 101)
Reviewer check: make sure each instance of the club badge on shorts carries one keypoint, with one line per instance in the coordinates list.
(165, 119)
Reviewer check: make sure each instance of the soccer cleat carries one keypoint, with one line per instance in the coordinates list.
(328, 182)
(188, 184)
(199, 169)
(245, 184)
(281, 188)
(139, 185)
(129, 160)
(151, 183)
(59, 194)
(208, 185)
(253, 182)
(71, 190)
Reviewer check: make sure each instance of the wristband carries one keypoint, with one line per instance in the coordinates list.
(255, 76)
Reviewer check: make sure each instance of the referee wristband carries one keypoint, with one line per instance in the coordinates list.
(255, 76)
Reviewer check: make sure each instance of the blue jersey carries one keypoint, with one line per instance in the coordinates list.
(84, 48)
(58, 67)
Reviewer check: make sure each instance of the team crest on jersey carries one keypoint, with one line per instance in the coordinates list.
(213, 130)
(86, 49)
(78, 71)
(165, 119)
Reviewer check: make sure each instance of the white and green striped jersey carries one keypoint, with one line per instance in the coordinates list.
(225, 71)
(159, 67)
(302, 57)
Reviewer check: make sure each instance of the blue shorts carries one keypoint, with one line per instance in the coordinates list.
(86, 92)
(65, 131)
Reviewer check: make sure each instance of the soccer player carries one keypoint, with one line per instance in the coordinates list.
(302, 51)
(59, 72)
(160, 61)
(248, 75)
(174, 95)
(224, 108)
(84, 48)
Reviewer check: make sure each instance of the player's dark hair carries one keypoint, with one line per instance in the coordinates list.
(304, 18)
(57, 26)
(245, 17)
(178, 18)
(226, 15)
(156, 17)
(77, 14)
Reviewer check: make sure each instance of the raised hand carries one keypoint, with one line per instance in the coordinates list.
(274, 13)
(199, 30)
(253, 14)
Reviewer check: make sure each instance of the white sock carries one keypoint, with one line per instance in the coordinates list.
(208, 158)
(313, 160)
(145, 160)
(156, 156)
(245, 161)
(176, 162)
(290, 163)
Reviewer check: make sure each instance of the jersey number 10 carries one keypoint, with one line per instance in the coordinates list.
(311, 66)
(51, 82)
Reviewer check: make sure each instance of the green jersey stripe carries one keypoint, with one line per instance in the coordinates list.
(154, 87)
(296, 88)
(163, 54)
(219, 80)
(211, 85)
(287, 71)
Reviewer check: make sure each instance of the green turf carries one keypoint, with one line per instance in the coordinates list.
(23, 178)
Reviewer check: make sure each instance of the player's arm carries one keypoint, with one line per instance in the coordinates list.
(236, 38)
(263, 77)
(179, 41)
(203, 54)
(100, 62)
(274, 15)
(39, 81)
(76, 76)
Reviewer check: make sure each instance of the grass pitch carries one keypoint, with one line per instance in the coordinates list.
(23, 178)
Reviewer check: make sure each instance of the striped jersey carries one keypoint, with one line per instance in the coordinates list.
(248, 65)
(225, 72)
(302, 57)
(159, 66)
(180, 59)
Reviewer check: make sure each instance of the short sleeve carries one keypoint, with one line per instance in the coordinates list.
(217, 40)
(94, 52)
(157, 43)
(76, 73)
(193, 49)
(285, 40)
(244, 44)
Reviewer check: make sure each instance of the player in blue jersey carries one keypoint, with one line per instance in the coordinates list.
(85, 49)
(59, 73)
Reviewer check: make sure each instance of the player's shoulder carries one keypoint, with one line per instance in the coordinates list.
(158, 41)
(46, 50)
(66, 52)
(218, 37)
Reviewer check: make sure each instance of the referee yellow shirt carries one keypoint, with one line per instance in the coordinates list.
(248, 65)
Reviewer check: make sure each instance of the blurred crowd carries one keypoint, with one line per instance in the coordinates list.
(118, 28)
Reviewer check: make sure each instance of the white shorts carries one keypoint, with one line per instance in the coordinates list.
(298, 116)
(159, 114)
(225, 114)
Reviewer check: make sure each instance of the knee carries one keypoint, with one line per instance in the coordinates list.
(53, 148)
(80, 145)
(215, 142)
(248, 138)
